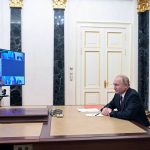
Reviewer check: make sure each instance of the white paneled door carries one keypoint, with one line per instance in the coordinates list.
(103, 51)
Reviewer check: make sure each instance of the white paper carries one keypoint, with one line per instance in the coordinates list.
(94, 115)
(88, 110)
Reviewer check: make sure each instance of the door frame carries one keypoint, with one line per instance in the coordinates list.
(73, 87)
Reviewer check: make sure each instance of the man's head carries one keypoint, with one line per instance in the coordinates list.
(121, 84)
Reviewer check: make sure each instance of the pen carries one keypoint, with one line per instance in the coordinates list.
(98, 113)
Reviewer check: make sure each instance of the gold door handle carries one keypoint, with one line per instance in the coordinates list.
(105, 84)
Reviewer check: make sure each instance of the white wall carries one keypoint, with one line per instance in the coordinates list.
(135, 47)
(37, 38)
(37, 43)
(113, 11)
(5, 36)
(101, 10)
(5, 24)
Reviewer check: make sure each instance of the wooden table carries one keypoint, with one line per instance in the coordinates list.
(76, 131)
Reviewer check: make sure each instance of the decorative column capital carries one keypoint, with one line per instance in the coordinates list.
(59, 4)
(143, 5)
(16, 3)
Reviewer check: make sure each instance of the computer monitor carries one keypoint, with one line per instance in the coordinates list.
(12, 68)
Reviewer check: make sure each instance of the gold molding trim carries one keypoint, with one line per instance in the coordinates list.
(143, 5)
(16, 3)
(59, 4)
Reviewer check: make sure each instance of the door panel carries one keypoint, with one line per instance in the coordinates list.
(114, 67)
(116, 60)
(91, 98)
(90, 60)
(92, 39)
(92, 74)
(115, 40)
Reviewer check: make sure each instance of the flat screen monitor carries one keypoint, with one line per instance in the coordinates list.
(12, 68)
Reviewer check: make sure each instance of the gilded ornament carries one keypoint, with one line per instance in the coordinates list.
(59, 4)
(16, 3)
(143, 5)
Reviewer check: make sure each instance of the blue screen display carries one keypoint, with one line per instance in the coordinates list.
(12, 68)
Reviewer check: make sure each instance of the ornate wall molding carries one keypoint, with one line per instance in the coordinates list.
(143, 5)
(59, 4)
(16, 3)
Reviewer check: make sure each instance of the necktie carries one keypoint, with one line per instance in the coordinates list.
(121, 102)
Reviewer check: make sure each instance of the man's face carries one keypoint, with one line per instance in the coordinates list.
(119, 87)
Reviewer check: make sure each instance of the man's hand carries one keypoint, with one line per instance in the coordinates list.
(106, 111)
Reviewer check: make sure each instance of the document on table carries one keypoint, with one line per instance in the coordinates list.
(94, 114)
(89, 110)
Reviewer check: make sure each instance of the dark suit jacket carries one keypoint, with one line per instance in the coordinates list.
(132, 108)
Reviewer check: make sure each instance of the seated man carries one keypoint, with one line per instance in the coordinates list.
(127, 102)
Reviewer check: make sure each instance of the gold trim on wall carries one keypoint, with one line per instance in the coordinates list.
(59, 4)
(16, 3)
(143, 5)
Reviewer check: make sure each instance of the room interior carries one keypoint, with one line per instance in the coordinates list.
(73, 50)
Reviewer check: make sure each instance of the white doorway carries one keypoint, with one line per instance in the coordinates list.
(103, 50)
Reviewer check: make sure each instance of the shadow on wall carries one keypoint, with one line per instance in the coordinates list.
(15, 96)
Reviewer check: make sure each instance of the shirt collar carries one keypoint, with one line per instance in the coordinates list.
(123, 94)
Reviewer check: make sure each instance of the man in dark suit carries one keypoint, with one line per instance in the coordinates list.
(127, 102)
